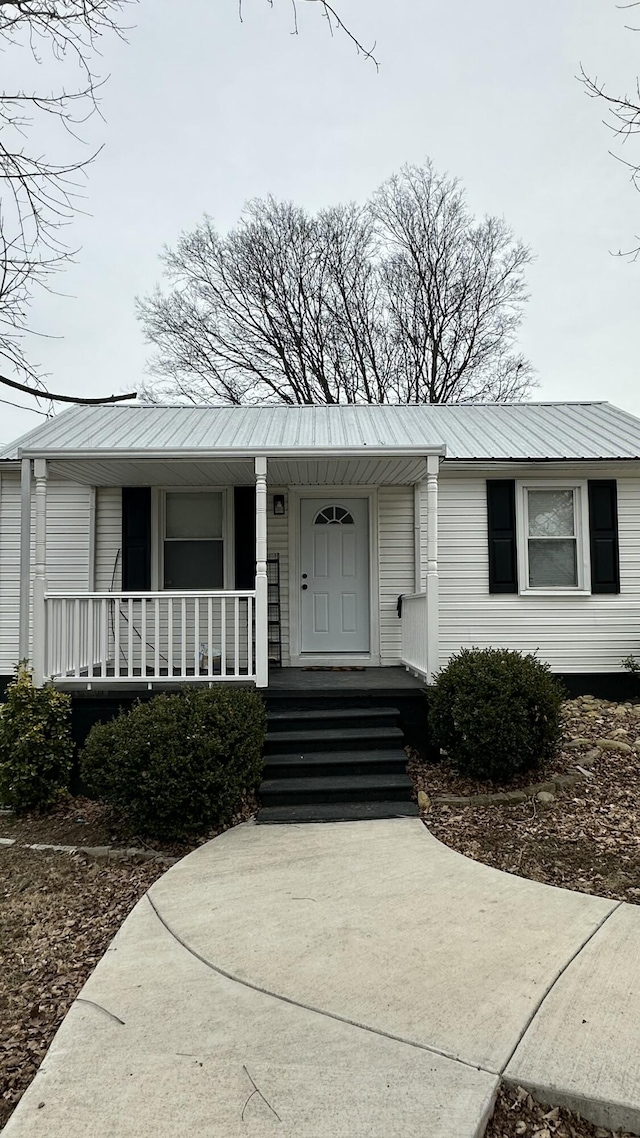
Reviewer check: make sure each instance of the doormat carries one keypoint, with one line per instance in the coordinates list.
(335, 668)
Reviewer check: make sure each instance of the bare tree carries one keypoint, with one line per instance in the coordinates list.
(407, 299)
(274, 311)
(622, 118)
(455, 290)
(40, 196)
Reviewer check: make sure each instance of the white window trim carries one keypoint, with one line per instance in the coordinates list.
(160, 514)
(581, 519)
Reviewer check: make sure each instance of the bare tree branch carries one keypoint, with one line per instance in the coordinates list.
(44, 394)
(39, 197)
(623, 119)
(334, 21)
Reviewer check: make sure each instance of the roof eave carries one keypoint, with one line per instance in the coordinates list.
(247, 453)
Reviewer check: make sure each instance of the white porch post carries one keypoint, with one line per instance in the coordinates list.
(262, 632)
(25, 559)
(40, 578)
(432, 584)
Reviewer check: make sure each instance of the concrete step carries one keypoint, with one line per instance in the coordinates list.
(325, 763)
(324, 719)
(335, 788)
(333, 739)
(335, 812)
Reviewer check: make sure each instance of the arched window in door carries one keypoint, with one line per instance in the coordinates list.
(333, 516)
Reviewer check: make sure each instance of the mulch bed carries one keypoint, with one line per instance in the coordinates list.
(516, 1113)
(58, 913)
(83, 822)
(586, 839)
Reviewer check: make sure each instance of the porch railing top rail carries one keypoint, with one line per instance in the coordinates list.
(144, 595)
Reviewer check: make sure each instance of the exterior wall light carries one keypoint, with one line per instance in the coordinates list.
(278, 505)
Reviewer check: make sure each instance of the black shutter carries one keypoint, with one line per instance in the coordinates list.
(603, 536)
(136, 538)
(501, 517)
(244, 530)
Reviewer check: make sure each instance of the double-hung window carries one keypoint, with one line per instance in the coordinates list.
(553, 529)
(193, 545)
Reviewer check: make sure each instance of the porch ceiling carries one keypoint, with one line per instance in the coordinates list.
(355, 471)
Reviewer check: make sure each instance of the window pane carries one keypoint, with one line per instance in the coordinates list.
(193, 565)
(551, 513)
(553, 563)
(194, 515)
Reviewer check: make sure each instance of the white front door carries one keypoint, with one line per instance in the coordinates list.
(334, 568)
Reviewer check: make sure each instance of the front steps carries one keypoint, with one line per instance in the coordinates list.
(334, 764)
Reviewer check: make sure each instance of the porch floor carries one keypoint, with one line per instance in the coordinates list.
(365, 681)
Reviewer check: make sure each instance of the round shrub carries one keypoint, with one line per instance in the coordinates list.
(36, 749)
(177, 765)
(496, 712)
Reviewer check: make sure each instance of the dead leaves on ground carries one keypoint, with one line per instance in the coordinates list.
(58, 914)
(587, 839)
(518, 1114)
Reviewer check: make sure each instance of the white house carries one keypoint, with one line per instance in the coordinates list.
(143, 545)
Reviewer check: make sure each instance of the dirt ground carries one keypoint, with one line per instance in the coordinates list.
(516, 1115)
(58, 913)
(587, 838)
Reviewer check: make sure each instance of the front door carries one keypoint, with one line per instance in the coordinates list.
(334, 567)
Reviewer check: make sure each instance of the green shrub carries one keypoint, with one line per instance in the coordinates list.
(177, 765)
(35, 744)
(496, 712)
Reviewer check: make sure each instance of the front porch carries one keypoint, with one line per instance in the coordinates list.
(161, 609)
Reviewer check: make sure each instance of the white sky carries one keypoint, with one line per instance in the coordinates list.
(204, 112)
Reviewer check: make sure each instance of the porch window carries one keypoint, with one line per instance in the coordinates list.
(554, 529)
(193, 540)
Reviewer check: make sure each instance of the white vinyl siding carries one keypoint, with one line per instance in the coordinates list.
(572, 633)
(68, 528)
(9, 571)
(396, 563)
(108, 571)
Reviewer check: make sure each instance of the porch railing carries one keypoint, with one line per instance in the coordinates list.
(414, 651)
(159, 636)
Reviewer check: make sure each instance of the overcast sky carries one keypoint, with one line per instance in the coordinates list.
(203, 112)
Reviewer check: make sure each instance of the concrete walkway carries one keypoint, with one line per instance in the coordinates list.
(353, 980)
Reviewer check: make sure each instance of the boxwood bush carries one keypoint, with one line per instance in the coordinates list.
(496, 712)
(176, 765)
(36, 749)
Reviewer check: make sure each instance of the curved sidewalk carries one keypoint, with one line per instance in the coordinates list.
(349, 980)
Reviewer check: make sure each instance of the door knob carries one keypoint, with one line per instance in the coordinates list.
(304, 576)
(305, 586)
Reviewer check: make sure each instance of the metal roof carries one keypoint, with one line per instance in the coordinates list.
(466, 432)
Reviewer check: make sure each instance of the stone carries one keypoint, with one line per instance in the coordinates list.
(614, 745)
(424, 802)
(574, 744)
(568, 779)
(544, 787)
(620, 712)
(591, 755)
(452, 800)
(545, 797)
(587, 761)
